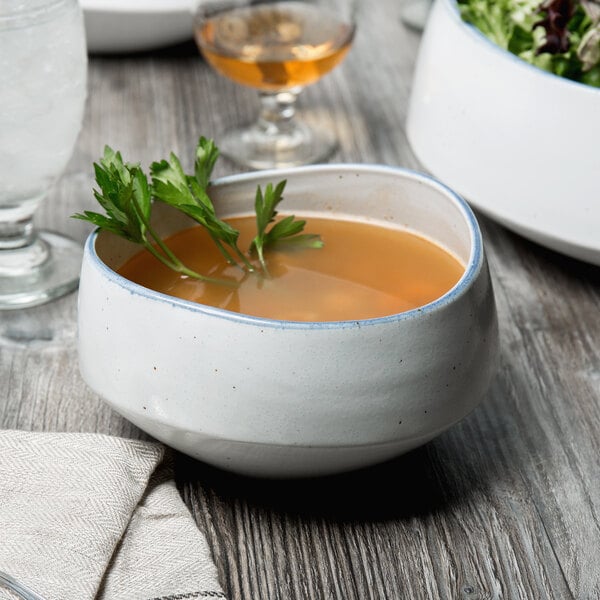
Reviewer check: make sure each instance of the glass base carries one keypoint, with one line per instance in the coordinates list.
(261, 148)
(46, 270)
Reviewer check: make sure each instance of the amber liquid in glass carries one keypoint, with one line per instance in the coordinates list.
(275, 46)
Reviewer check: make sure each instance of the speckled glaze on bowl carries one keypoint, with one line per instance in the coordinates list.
(517, 142)
(287, 399)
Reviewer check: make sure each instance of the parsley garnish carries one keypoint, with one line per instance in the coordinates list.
(127, 198)
(288, 230)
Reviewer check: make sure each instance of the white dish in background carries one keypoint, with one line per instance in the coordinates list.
(134, 25)
(519, 143)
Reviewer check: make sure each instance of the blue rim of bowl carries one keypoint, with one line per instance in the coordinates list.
(472, 268)
(478, 35)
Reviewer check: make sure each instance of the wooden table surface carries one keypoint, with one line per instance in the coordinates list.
(506, 504)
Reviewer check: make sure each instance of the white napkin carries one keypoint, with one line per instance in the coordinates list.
(87, 516)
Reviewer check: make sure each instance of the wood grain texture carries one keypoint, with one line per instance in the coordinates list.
(504, 505)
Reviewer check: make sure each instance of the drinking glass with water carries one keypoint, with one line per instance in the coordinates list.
(43, 66)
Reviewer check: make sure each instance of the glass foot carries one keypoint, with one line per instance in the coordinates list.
(260, 148)
(47, 269)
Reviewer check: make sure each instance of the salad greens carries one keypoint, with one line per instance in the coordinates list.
(127, 198)
(559, 36)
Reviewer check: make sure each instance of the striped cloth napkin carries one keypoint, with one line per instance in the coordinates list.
(87, 516)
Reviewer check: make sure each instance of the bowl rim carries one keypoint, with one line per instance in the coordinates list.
(472, 267)
(482, 39)
(152, 7)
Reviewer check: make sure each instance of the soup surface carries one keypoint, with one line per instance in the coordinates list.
(363, 271)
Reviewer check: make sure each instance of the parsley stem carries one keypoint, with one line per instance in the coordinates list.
(249, 266)
(176, 265)
(169, 259)
(244, 259)
(224, 251)
(261, 258)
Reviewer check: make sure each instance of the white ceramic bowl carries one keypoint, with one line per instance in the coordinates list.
(519, 143)
(133, 25)
(280, 398)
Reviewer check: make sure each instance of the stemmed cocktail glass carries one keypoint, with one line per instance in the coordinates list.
(277, 48)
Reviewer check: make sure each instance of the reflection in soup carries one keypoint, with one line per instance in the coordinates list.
(363, 271)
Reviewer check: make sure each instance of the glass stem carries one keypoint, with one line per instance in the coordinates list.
(16, 234)
(277, 111)
(21, 249)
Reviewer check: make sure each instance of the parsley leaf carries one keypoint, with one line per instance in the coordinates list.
(287, 230)
(127, 198)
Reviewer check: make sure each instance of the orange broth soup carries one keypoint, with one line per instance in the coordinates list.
(363, 271)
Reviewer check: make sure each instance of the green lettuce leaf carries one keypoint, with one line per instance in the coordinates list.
(560, 37)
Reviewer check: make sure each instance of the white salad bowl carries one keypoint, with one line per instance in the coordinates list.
(285, 399)
(134, 25)
(517, 142)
